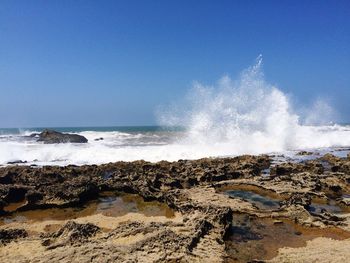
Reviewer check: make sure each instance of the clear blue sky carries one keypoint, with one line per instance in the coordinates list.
(72, 63)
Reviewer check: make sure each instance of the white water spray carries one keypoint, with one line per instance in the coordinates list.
(250, 116)
(246, 116)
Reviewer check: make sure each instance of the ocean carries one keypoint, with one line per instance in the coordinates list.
(234, 117)
(155, 143)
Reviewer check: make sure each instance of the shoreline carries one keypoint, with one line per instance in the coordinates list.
(209, 226)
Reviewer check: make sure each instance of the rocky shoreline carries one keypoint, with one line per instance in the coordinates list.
(205, 225)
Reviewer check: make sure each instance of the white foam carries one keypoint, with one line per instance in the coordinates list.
(250, 116)
(247, 116)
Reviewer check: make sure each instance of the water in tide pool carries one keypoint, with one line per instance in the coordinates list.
(233, 117)
(262, 202)
(108, 204)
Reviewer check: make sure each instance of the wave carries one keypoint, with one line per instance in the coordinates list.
(232, 117)
(250, 115)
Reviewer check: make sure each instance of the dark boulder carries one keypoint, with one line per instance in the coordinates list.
(51, 136)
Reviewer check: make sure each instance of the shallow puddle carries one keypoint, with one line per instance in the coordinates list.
(259, 197)
(259, 239)
(266, 172)
(14, 206)
(262, 202)
(108, 204)
(331, 206)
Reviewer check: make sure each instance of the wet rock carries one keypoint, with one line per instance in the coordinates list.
(304, 153)
(328, 218)
(243, 234)
(51, 136)
(297, 199)
(15, 194)
(33, 197)
(8, 235)
(6, 178)
(332, 159)
(189, 187)
(294, 168)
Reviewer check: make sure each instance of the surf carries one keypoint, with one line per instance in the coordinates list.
(246, 115)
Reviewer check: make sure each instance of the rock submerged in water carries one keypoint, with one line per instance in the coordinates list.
(51, 136)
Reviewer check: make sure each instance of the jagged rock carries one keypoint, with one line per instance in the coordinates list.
(189, 187)
(293, 168)
(297, 199)
(8, 235)
(76, 184)
(69, 234)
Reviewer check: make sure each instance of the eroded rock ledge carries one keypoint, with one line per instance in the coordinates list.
(192, 188)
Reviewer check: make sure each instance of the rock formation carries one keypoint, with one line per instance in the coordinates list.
(193, 189)
(51, 136)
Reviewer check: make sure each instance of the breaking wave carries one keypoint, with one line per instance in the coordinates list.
(250, 115)
(232, 117)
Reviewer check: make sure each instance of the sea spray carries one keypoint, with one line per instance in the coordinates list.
(232, 117)
(249, 115)
(243, 116)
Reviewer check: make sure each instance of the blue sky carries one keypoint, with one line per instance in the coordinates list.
(83, 63)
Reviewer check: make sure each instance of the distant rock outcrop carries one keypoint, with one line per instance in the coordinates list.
(51, 136)
(16, 162)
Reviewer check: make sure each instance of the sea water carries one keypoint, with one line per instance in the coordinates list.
(232, 117)
(152, 143)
